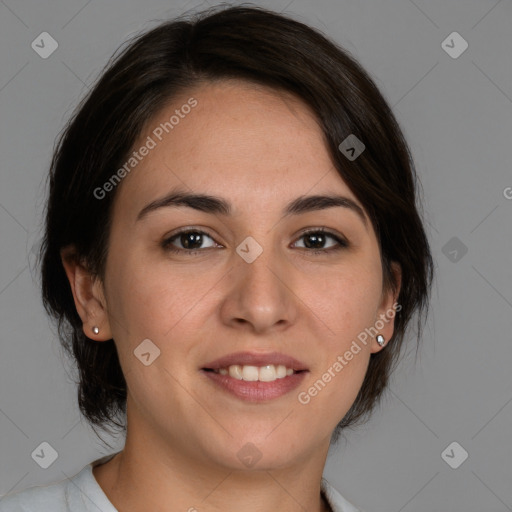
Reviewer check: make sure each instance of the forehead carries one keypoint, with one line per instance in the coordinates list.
(241, 140)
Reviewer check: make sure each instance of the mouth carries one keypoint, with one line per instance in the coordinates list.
(249, 373)
(256, 377)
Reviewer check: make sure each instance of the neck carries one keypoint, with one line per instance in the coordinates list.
(138, 480)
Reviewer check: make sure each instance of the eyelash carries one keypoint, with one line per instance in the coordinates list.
(342, 244)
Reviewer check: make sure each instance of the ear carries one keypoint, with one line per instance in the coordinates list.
(88, 295)
(387, 310)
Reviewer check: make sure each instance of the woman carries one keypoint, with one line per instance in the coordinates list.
(233, 253)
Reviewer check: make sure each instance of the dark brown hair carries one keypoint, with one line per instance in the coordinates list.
(266, 48)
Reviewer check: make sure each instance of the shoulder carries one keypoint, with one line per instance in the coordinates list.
(79, 493)
(336, 500)
(39, 498)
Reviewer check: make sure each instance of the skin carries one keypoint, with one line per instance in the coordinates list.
(254, 147)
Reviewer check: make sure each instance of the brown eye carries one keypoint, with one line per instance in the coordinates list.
(315, 241)
(189, 240)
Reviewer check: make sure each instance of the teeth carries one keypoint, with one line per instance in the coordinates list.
(235, 371)
(281, 371)
(267, 373)
(250, 373)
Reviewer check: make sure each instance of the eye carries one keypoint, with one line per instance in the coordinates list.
(190, 240)
(315, 240)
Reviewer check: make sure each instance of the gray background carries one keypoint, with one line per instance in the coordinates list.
(457, 117)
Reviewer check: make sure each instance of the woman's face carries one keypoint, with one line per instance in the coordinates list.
(254, 287)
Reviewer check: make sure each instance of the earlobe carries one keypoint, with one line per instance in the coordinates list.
(89, 300)
(385, 321)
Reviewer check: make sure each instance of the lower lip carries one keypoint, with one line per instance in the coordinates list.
(256, 391)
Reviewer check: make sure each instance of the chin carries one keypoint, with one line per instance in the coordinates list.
(258, 452)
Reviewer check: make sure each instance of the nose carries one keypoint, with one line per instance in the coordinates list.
(260, 297)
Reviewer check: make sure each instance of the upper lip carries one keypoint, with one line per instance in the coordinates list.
(256, 359)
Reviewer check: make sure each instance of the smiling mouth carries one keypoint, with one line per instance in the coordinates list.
(250, 373)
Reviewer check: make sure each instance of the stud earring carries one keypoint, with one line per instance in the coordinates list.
(380, 340)
(95, 329)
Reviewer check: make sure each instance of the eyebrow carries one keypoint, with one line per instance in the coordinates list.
(217, 205)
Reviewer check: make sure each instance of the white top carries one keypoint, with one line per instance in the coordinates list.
(82, 493)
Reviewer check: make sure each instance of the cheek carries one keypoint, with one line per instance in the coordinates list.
(348, 306)
(150, 299)
(346, 301)
(334, 385)
(153, 301)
